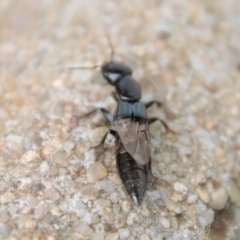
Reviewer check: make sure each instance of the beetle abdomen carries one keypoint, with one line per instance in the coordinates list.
(133, 176)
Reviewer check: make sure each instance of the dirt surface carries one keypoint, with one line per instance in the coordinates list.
(53, 184)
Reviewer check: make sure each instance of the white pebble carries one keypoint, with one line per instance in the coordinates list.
(198, 179)
(208, 216)
(179, 187)
(68, 146)
(192, 198)
(144, 236)
(219, 199)
(124, 233)
(165, 223)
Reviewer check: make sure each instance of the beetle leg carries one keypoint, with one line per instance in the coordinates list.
(154, 119)
(115, 96)
(150, 103)
(105, 113)
(113, 132)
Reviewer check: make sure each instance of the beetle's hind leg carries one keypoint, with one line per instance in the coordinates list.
(150, 103)
(154, 119)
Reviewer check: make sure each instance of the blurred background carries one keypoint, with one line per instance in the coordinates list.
(185, 53)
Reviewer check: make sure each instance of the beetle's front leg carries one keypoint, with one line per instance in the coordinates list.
(105, 113)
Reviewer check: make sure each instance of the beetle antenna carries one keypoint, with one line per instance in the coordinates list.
(92, 67)
(111, 47)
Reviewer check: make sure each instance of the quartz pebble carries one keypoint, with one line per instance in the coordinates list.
(219, 199)
(96, 172)
(208, 216)
(192, 198)
(123, 233)
(165, 223)
(179, 187)
(29, 156)
(68, 146)
(233, 193)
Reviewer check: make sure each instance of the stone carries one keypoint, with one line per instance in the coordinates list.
(123, 233)
(5, 230)
(83, 228)
(208, 216)
(144, 236)
(181, 188)
(68, 146)
(165, 222)
(233, 193)
(198, 179)
(7, 198)
(203, 194)
(112, 236)
(29, 156)
(126, 206)
(60, 158)
(96, 172)
(192, 198)
(219, 199)
(191, 211)
(114, 178)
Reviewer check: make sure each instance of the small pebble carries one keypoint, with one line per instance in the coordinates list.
(179, 187)
(144, 236)
(4, 216)
(177, 197)
(61, 159)
(126, 206)
(165, 223)
(123, 233)
(198, 179)
(29, 156)
(52, 194)
(112, 236)
(119, 222)
(5, 230)
(208, 216)
(219, 199)
(192, 198)
(174, 223)
(68, 146)
(83, 228)
(7, 197)
(96, 172)
(113, 177)
(191, 211)
(233, 193)
(203, 194)
(47, 151)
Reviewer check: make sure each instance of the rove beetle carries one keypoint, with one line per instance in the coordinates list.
(132, 127)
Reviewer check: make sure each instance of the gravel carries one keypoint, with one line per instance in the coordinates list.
(53, 184)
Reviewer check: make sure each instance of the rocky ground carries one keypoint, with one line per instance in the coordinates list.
(53, 185)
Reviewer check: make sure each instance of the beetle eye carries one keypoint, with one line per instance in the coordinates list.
(112, 76)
